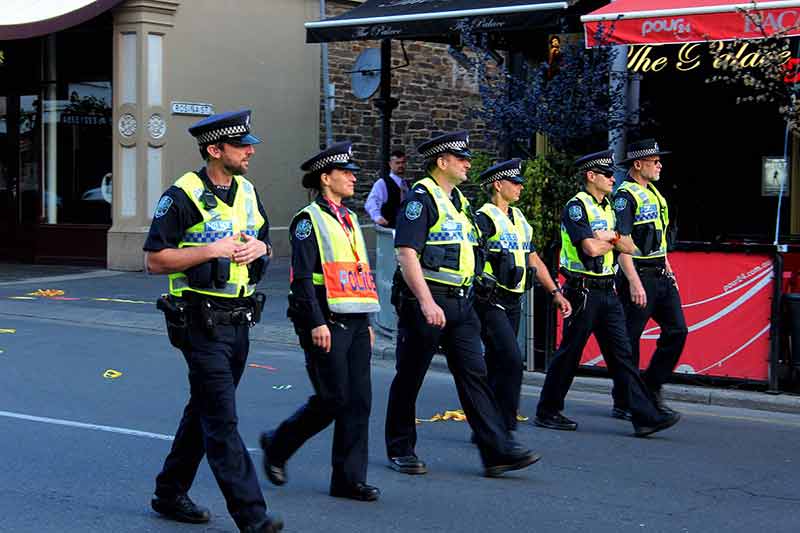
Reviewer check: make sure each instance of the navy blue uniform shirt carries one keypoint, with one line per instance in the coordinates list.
(306, 262)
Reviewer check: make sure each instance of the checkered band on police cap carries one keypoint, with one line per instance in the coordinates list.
(506, 170)
(213, 136)
(331, 159)
(604, 159)
(434, 149)
(644, 148)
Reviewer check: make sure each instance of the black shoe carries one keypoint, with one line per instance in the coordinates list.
(272, 523)
(663, 422)
(621, 413)
(408, 464)
(276, 472)
(517, 460)
(359, 491)
(661, 405)
(557, 421)
(181, 509)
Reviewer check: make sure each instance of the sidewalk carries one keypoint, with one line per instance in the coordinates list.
(127, 300)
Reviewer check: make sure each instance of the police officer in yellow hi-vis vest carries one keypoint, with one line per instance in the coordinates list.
(332, 293)
(210, 234)
(588, 242)
(513, 262)
(646, 282)
(436, 243)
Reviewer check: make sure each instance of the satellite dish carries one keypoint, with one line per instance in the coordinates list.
(366, 74)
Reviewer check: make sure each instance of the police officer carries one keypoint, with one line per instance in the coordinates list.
(588, 241)
(646, 282)
(513, 263)
(436, 245)
(332, 292)
(211, 235)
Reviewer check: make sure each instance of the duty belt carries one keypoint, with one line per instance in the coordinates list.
(651, 270)
(462, 291)
(234, 317)
(589, 282)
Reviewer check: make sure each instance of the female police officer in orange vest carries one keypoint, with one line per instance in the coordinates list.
(332, 293)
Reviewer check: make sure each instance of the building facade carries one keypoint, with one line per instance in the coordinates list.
(94, 113)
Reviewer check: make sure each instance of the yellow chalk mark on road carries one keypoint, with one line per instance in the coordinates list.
(456, 415)
(112, 374)
(3, 330)
(21, 298)
(47, 293)
(120, 301)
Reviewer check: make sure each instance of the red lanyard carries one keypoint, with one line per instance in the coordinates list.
(351, 238)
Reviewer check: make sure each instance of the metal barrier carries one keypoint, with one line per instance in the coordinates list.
(386, 264)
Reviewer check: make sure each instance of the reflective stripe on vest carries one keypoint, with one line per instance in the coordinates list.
(453, 227)
(221, 222)
(348, 289)
(515, 237)
(599, 219)
(651, 208)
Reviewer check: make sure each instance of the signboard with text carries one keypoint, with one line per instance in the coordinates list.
(726, 298)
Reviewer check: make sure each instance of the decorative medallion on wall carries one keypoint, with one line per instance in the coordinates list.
(156, 126)
(127, 125)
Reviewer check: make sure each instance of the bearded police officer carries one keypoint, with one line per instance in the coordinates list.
(211, 235)
(588, 241)
(436, 250)
(513, 263)
(646, 282)
(332, 292)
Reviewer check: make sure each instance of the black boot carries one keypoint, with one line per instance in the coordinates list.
(181, 509)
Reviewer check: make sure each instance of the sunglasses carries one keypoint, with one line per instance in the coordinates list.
(654, 161)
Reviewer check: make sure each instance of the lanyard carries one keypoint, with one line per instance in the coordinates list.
(346, 224)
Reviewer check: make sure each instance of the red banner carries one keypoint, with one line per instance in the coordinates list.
(726, 298)
(685, 28)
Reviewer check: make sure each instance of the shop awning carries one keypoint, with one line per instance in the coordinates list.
(432, 20)
(22, 19)
(682, 21)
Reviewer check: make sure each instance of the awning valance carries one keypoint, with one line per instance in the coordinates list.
(22, 19)
(682, 21)
(431, 20)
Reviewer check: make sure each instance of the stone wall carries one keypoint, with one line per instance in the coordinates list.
(435, 93)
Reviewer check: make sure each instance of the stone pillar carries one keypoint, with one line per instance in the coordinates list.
(140, 125)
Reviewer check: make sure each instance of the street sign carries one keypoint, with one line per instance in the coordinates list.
(192, 108)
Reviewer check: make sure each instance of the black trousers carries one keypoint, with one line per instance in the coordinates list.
(460, 340)
(504, 359)
(664, 307)
(342, 394)
(209, 424)
(597, 311)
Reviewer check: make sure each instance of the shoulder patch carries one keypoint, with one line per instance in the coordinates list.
(575, 212)
(413, 209)
(163, 206)
(620, 203)
(303, 229)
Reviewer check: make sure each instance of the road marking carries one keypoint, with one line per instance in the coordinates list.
(96, 427)
(764, 420)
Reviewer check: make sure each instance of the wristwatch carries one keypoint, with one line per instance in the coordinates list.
(555, 291)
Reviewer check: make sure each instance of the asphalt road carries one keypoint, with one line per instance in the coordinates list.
(79, 451)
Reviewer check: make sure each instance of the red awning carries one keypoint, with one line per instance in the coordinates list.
(683, 21)
(22, 19)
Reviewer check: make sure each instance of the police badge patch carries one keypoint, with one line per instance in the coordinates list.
(575, 212)
(620, 204)
(413, 210)
(163, 206)
(303, 229)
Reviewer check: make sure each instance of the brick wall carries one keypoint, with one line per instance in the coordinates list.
(435, 95)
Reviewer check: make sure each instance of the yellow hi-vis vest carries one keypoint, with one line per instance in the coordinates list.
(514, 237)
(599, 219)
(349, 284)
(452, 228)
(218, 223)
(651, 208)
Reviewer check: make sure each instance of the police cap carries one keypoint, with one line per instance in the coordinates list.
(338, 155)
(641, 149)
(510, 170)
(601, 162)
(232, 127)
(456, 143)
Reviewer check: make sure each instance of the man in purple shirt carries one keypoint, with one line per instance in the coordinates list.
(384, 199)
